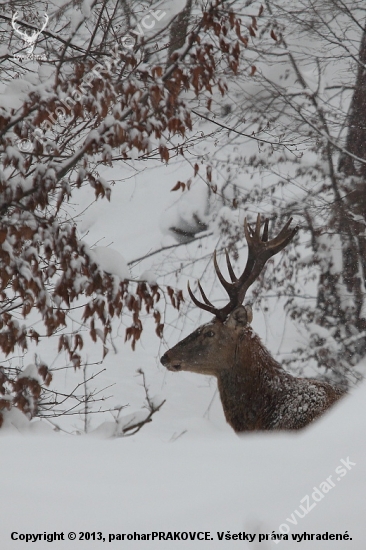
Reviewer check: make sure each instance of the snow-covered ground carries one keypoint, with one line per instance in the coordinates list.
(207, 480)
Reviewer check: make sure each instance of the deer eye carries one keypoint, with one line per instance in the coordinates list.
(209, 334)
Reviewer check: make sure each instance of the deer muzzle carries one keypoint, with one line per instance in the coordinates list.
(168, 364)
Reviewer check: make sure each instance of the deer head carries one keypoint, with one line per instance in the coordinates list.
(212, 347)
(29, 39)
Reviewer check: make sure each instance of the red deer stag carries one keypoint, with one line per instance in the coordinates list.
(255, 391)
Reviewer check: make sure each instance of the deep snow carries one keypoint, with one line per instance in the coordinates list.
(205, 480)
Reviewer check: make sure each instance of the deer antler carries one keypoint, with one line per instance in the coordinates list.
(26, 37)
(260, 249)
(22, 34)
(45, 23)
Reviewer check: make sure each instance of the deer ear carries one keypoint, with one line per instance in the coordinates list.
(240, 317)
(248, 309)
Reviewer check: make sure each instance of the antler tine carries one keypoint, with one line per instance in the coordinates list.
(204, 297)
(233, 277)
(248, 231)
(45, 23)
(15, 27)
(257, 231)
(283, 238)
(227, 286)
(251, 234)
(284, 231)
(206, 307)
(251, 259)
(286, 240)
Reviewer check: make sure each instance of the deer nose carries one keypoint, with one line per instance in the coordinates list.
(164, 360)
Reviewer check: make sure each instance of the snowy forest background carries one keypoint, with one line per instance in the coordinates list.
(135, 138)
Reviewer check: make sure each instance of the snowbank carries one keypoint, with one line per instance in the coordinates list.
(201, 481)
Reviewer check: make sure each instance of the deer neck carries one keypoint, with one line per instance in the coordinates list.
(251, 386)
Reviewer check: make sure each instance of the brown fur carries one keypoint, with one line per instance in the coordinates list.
(255, 391)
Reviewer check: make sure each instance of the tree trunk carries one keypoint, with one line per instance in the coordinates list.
(178, 31)
(341, 295)
(356, 138)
